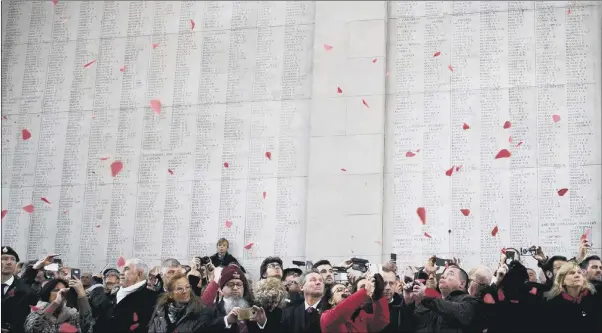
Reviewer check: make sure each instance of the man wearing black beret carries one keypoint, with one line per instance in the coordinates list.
(17, 296)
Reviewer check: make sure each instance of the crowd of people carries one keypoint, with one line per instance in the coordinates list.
(214, 294)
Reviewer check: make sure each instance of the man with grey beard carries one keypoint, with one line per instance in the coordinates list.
(236, 296)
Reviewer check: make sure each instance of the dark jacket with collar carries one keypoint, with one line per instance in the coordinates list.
(121, 316)
(294, 320)
(192, 321)
(395, 314)
(218, 324)
(227, 260)
(15, 305)
(455, 313)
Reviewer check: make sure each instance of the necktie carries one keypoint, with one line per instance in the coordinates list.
(242, 327)
(310, 310)
(4, 285)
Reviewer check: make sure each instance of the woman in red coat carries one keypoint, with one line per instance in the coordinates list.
(366, 310)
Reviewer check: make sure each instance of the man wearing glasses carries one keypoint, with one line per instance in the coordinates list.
(292, 283)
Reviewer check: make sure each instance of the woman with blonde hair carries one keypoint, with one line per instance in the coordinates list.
(179, 309)
(573, 302)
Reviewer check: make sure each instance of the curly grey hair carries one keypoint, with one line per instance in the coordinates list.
(270, 293)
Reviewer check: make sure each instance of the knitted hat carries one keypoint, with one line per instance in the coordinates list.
(264, 265)
(7, 250)
(232, 272)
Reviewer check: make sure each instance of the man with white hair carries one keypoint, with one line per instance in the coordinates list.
(480, 278)
(169, 267)
(133, 304)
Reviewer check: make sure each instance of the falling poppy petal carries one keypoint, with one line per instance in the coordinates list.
(133, 327)
(67, 328)
(427, 235)
(438, 53)
(120, 261)
(135, 317)
(507, 124)
(116, 167)
(533, 291)
(155, 104)
(29, 208)
(25, 134)
(248, 246)
(268, 155)
(343, 169)
(569, 12)
(387, 74)
(556, 118)
(504, 153)
(421, 214)
(504, 250)
(500, 295)
(465, 126)
(104, 158)
(34, 308)
(374, 60)
(465, 211)
(327, 47)
(4, 212)
(192, 24)
(510, 139)
(520, 143)
(228, 224)
(264, 194)
(450, 171)
(45, 200)
(365, 103)
(54, 2)
(226, 165)
(89, 64)
(451, 68)
(458, 168)
(494, 231)
(122, 69)
(339, 90)
(155, 45)
(562, 191)
(410, 154)
(170, 171)
(488, 299)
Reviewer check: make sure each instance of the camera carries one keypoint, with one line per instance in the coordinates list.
(340, 274)
(360, 265)
(421, 276)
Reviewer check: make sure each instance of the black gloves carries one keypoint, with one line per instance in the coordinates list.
(379, 287)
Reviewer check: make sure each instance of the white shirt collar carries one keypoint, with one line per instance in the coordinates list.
(315, 306)
(10, 281)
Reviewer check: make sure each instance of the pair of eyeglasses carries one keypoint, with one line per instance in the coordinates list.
(231, 285)
(182, 290)
(273, 265)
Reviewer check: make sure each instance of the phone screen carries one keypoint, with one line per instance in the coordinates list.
(75, 273)
(246, 313)
(394, 257)
(52, 267)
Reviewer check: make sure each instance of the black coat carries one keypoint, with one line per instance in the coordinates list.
(193, 320)
(228, 259)
(15, 305)
(395, 314)
(294, 320)
(101, 304)
(455, 313)
(564, 314)
(121, 315)
(218, 324)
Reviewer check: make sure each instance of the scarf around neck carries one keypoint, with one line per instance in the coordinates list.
(124, 291)
(175, 311)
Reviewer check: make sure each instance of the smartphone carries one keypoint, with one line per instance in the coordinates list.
(298, 263)
(442, 262)
(510, 255)
(394, 258)
(246, 314)
(76, 273)
(54, 267)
